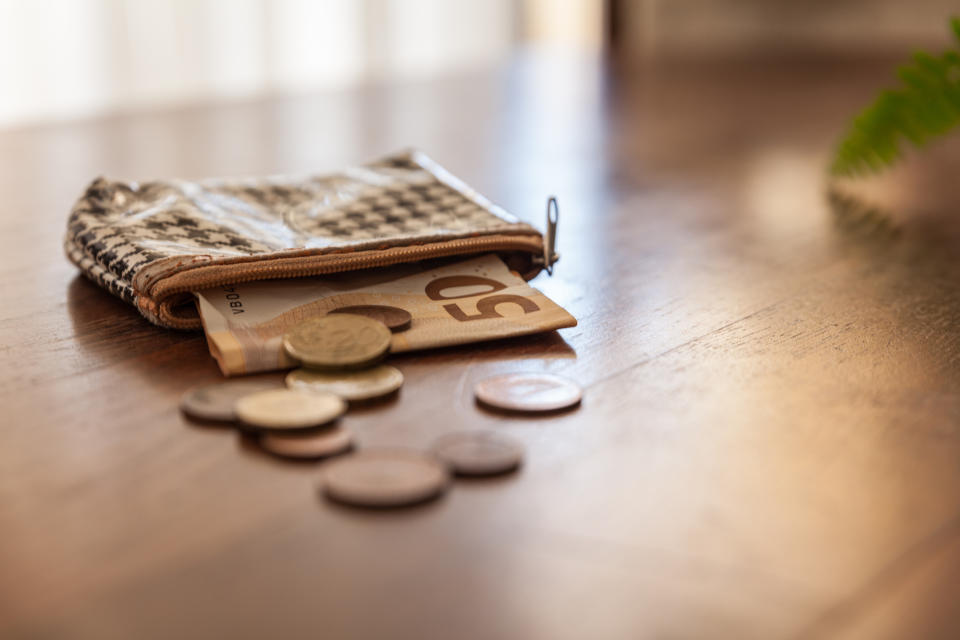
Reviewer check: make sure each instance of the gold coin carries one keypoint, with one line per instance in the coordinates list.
(395, 318)
(341, 340)
(479, 453)
(528, 392)
(385, 478)
(215, 401)
(288, 410)
(352, 386)
(319, 444)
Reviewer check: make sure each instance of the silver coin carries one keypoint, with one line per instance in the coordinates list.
(288, 410)
(215, 402)
(385, 478)
(479, 453)
(364, 384)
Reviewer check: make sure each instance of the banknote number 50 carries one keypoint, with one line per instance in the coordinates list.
(486, 307)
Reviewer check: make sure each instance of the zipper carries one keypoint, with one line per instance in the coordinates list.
(550, 255)
(216, 275)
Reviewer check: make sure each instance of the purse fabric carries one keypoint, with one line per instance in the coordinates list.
(125, 236)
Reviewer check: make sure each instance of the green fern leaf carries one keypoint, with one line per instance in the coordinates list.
(925, 106)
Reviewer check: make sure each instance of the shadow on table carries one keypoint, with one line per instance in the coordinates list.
(548, 345)
(108, 331)
(853, 216)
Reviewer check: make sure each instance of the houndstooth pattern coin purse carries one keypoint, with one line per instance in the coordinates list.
(154, 243)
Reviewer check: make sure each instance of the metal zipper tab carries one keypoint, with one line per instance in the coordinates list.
(550, 255)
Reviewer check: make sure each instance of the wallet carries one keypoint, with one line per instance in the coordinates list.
(154, 243)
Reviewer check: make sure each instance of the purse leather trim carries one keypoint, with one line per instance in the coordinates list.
(163, 301)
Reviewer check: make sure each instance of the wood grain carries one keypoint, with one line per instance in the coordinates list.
(768, 445)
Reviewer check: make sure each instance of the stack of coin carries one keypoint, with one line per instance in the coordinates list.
(295, 424)
(286, 422)
(341, 355)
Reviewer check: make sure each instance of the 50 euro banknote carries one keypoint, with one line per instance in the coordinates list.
(469, 301)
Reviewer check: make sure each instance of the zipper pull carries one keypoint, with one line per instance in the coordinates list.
(550, 255)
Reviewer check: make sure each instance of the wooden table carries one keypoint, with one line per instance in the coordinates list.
(769, 445)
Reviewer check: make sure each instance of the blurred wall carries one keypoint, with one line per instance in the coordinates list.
(570, 24)
(696, 28)
(72, 58)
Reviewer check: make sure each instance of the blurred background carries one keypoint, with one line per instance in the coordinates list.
(68, 59)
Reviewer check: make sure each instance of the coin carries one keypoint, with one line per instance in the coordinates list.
(353, 386)
(340, 340)
(395, 318)
(288, 410)
(529, 392)
(318, 444)
(479, 453)
(215, 401)
(385, 478)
